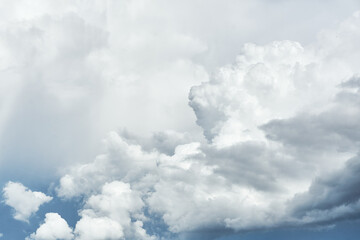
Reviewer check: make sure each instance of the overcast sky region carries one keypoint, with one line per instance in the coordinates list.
(179, 120)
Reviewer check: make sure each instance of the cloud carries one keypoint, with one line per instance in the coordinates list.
(24, 201)
(113, 214)
(281, 126)
(53, 228)
(53, 83)
(281, 122)
(183, 188)
(98, 228)
(191, 195)
(273, 81)
(78, 74)
(331, 197)
(121, 161)
(335, 128)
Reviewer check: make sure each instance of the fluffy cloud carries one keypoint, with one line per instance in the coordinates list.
(87, 68)
(110, 214)
(53, 228)
(275, 81)
(281, 125)
(98, 228)
(122, 161)
(24, 201)
(188, 190)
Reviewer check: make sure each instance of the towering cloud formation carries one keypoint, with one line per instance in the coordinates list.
(275, 145)
(281, 125)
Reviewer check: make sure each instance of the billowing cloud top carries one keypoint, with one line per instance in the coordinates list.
(266, 142)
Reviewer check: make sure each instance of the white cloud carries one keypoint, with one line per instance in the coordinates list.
(283, 116)
(183, 188)
(53, 228)
(109, 214)
(267, 82)
(96, 228)
(102, 78)
(77, 73)
(280, 118)
(121, 161)
(24, 201)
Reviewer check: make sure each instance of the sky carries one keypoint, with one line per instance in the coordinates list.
(179, 120)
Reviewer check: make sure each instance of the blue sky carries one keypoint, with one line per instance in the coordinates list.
(179, 120)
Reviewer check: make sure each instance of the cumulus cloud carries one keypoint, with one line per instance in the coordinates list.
(77, 74)
(24, 201)
(281, 122)
(98, 228)
(53, 228)
(113, 214)
(281, 126)
(121, 161)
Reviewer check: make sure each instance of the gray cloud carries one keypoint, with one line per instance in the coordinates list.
(353, 82)
(332, 197)
(336, 128)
